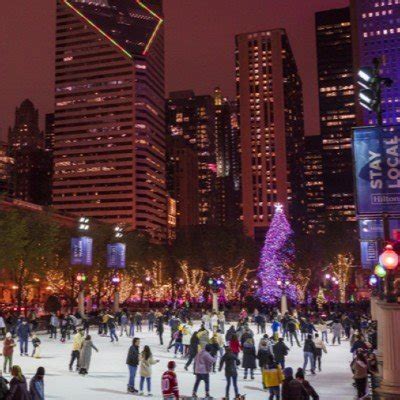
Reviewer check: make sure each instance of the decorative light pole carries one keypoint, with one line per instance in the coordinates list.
(83, 226)
(215, 285)
(116, 260)
(283, 285)
(389, 259)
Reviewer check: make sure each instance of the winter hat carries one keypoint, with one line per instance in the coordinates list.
(171, 364)
(288, 372)
(40, 371)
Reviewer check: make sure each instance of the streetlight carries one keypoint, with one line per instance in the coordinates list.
(215, 286)
(283, 284)
(390, 260)
(118, 232)
(370, 97)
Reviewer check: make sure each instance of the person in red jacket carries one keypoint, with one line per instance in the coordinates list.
(234, 345)
(169, 383)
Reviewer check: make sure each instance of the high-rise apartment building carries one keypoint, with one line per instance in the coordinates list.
(227, 207)
(269, 92)
(376, 30)
(183, 180)
(337, 106)
(109, 129)
(49, 132)
(193, 118)
(30, 172)
(314, 185)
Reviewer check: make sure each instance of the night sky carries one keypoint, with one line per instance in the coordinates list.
(199, 47)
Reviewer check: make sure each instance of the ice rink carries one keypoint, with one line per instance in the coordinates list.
(108, 374)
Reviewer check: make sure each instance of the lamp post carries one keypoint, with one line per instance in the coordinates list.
(83, 226)
(118, 234)
(215, 285)
(283, 285)
(389, 260)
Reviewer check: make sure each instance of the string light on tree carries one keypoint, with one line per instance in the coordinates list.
(276, 255)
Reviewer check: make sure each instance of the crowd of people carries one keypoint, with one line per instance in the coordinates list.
(211, 347)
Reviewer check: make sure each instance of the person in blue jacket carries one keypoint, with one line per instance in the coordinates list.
(36, 385)
(23, 332)
(275, 329)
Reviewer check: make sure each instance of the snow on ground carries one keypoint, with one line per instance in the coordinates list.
(108, 374)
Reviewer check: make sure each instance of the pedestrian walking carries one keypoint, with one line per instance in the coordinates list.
(36, 385)
(131, 325)
(36, 346)
(249, 358)
(23, 332)
(54, 323)
(18, 385)
(124, 324)
(112, 327)
(132, 361)
(203, 364)
(292, 389)
(8, 351)
(85, 355)
(169, 383)
(193, 349)
(234, 344)
(151, 319)
(292, 331)
(138, 321)
(145, 370)
(272, 377)
(231, 362)
(160, 328)
(359, 367)
(309, 352)
(319, 348)
(280, 351)
(3, 387)
(337, 329)
(76, 348)
(311, 393)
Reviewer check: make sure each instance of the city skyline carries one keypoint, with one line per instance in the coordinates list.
(212, 41)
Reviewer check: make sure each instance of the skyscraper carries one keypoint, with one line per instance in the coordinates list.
(269, 92)
(377, 34)
(6, 164)
(109, 129)
(314, 185)
(337, 109)
(193, 118)
(30, 173)
(183, 180)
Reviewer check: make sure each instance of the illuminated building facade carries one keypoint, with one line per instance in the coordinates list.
(109, 129)
(193, 118)
(171, 223)
(30, 172)
(6, 163)
(314, 184)
(377, 34)
(227, 201)
(183, 180)
(269, 93)
(337, 109)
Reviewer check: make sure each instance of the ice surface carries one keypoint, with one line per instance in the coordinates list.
(108, 374)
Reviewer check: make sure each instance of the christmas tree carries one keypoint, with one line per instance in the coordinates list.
(276, 256)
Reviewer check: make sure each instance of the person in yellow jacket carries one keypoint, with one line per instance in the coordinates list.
(76, 348)
(272, 376)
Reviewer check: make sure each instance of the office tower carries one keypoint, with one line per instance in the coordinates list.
(109, 129)
(269, 92)
(6, 164)
(171, 224)
(314, 185)
(183, 180)
(49, 132)
(227, 207)
(337, 109)
(193, 117)
(376, 33)
(30, 173)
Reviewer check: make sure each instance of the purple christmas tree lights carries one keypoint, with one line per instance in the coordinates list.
(276, 254)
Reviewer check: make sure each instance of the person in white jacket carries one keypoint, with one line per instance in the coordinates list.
(145, 369)
(187, 334)
(319, 348)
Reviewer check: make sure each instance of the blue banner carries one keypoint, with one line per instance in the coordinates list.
(377, 169)
(116, 255)
(371, 229)
(369, 253)
(82, 251)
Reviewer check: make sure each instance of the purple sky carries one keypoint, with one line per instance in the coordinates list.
(199, 47)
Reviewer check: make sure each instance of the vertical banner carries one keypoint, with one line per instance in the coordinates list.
(369, 253)
(116, 254)
(82, 251)
(377, 169)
